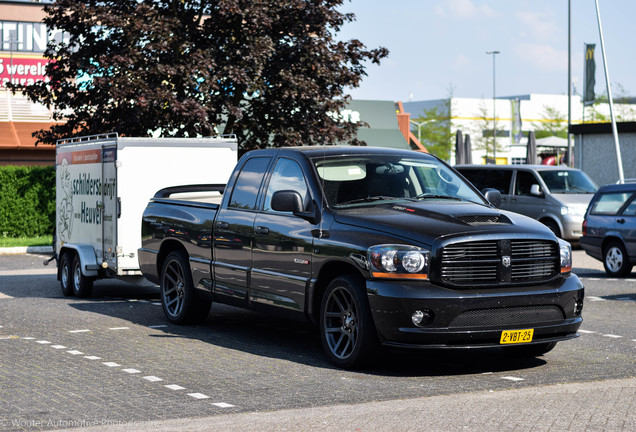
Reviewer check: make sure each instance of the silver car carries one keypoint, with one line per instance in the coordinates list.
(555, 195)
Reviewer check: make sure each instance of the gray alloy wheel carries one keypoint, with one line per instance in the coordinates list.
(615, 260)
(180, 303)
(346, 327)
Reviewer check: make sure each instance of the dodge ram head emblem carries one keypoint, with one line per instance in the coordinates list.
(505, 260)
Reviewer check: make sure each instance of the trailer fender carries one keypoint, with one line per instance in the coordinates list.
(88, 259)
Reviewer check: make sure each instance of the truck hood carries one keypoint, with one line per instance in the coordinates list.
(576, 200)
(425, 221)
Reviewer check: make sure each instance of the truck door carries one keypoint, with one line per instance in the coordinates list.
(282, 245)
(109, 205)
(234, 231)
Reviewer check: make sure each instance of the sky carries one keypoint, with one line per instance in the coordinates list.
(439, 46)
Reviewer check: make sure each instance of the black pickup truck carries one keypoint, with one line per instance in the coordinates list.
(377, 247)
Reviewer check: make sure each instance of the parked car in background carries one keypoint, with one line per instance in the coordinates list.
(609, 228)
(557, 196)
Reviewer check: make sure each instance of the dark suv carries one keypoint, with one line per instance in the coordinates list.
(609, 228)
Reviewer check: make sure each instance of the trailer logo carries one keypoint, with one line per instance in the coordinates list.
(65, 210)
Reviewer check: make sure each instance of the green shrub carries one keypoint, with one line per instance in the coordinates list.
(27, 201)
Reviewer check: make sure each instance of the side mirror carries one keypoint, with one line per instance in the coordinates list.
(287, 201)
(291, 201)
(493, 196)
(535, 190)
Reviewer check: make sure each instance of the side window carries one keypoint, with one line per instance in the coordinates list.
(486, 178)
(630, 210)
(525, 180)
(287, 175)
(247, 184)
(610, 203)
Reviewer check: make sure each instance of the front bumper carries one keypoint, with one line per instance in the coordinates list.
(474, 318)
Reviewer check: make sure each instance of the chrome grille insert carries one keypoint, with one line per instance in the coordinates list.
(498, 262)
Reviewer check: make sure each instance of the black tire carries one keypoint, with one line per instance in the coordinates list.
(615, 260)
(348, 334)
(82, 285)
(552, 225)
(66, 274)
(534, 350)
(180, 303)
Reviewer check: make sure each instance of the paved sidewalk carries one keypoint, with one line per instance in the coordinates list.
(24, 250)
(589, 406)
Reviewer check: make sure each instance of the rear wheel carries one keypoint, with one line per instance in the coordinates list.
(82, 285)
(615, 260)
(535, 350)
(66, 278)
(181, 304)
(346, 327)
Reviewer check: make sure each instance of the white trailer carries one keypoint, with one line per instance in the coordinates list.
(103, 184)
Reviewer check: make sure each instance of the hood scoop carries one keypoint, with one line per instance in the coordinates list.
(483, 219)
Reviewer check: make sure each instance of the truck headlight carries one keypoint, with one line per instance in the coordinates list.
(399, 261)
(573, 210)
(565, 250)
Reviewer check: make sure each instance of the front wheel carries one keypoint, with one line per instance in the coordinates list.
(535, 350)
(346, 327)
(180, 303)
(615, 260)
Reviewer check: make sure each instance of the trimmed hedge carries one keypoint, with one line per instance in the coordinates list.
(27, 201)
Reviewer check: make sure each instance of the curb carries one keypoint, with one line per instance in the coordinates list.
(26, 250)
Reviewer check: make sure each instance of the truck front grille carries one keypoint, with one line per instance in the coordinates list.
(498, 262)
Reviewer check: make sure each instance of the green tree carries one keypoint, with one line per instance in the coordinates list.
(553, 123)
(486, 140)
(433, 127)
(269, 71)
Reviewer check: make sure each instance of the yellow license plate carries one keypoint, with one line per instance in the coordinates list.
(516, 336)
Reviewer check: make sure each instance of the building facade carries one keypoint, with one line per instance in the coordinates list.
(23, 39)
(515, 117)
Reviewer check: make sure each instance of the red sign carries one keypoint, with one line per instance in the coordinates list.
(22, 70)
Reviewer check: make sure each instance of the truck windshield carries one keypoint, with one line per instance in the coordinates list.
(568, 182)
(370, 179)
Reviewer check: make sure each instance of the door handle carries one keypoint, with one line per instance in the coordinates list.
(261, 230)
(620, 221)
(222, 225)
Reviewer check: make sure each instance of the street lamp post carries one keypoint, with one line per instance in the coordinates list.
(494, 116)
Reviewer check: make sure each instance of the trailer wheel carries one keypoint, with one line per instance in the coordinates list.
(66, 278)
(180, 302)
(82, 285)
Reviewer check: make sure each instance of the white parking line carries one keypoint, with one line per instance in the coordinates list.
(613, 336)
(595, 299)
(79, 331)
(152, 378)
(223, 405)
(586, 331)
(174, 387)
(119, 328)
(511, 378)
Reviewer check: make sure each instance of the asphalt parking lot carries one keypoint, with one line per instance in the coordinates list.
(112, 361)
